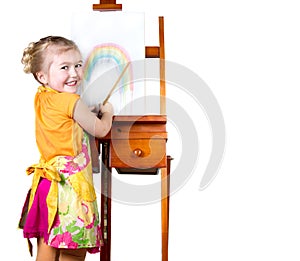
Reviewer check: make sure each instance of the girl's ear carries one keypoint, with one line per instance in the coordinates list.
(41, 77)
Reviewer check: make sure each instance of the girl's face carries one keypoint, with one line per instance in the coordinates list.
(64, 72)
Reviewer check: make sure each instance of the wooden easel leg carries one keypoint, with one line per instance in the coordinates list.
(165, 203)
(106, 204)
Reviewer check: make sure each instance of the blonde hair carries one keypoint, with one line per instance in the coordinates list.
(34, 55)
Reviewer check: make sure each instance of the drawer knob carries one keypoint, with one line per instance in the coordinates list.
(138, 152)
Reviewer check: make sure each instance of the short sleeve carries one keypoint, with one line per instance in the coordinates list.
(66, 102)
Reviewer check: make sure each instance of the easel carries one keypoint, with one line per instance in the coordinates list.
(139, 129)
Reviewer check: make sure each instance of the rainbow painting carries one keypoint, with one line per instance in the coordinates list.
(113, 53)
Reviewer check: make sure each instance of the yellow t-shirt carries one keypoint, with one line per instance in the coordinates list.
(57, 133)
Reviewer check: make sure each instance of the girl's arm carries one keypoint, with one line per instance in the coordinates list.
(89, 120)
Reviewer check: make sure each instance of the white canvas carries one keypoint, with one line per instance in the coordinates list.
(108, 41)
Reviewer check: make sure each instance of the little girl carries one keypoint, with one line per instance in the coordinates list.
(62, 210)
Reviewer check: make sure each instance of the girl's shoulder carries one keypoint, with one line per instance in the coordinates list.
(66, 96)
(62, 102)
(66, 101)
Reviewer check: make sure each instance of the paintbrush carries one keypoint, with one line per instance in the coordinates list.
(115, 85)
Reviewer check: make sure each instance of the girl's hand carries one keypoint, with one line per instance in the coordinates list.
(107, 108)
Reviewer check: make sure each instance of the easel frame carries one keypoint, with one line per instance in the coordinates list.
(106, 190)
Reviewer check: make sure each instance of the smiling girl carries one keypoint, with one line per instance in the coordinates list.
(62, 208)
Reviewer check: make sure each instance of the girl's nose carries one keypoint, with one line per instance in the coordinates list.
(73, 72)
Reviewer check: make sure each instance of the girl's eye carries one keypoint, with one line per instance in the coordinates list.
(78, 65)
(64, 67)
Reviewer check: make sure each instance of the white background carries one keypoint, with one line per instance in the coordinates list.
(248, 52)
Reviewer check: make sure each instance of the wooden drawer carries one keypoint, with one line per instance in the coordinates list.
(138, 153)
(137, 143)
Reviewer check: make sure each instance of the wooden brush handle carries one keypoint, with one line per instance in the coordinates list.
(115, 85)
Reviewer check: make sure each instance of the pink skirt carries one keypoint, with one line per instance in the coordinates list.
(36, 224)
